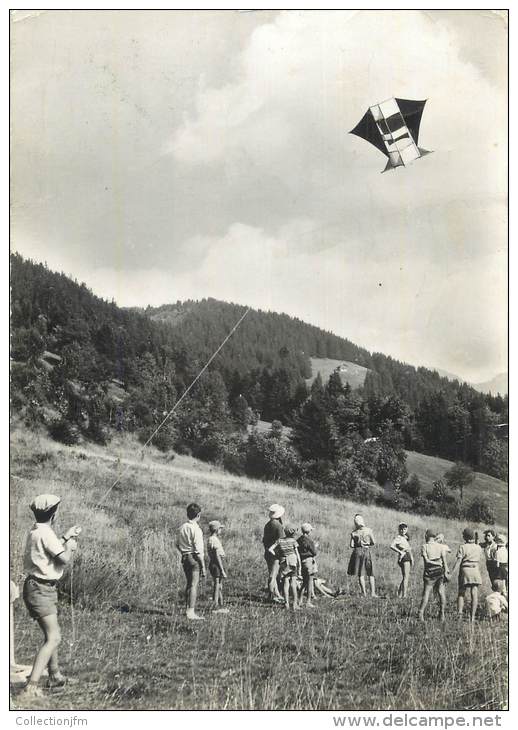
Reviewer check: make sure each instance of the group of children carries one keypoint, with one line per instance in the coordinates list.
(291, 563)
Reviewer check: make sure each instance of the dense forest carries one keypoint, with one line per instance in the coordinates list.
(82, 367)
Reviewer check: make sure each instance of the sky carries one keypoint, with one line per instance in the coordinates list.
(161, 156)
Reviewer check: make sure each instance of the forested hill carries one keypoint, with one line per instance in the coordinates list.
(264, 339)
(82, 361)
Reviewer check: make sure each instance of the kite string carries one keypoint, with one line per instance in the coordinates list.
(173, 409)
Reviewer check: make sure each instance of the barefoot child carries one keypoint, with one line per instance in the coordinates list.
(189, 543)
(401, 546)
(469, 557)
(360, 563)
(307, 553)
(435, 572)
(45, 558)
(286, 549)
(216, 567)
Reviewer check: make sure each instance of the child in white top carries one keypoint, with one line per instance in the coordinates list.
(502, 561)
(216, 567)
(401, 546)
(45, 558)
(495, 604)
(189, 543)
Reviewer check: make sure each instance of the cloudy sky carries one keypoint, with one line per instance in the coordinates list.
(160, 156)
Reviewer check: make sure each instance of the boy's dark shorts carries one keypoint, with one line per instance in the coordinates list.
(40, 598)
(190, 566)
(215, 570)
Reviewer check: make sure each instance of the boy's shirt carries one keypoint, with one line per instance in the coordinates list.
(273, 530)
(41, 549)
(362, 537)
(470, 554)
(501, 554)
(190, 538)
(307, 547)
(214, 548)
(433, 552)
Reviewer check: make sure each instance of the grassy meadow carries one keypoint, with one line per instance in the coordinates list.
(128, 645)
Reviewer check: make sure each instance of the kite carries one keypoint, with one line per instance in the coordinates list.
(393, 127)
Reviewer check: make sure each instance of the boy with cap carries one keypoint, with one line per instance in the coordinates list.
(216, 567)
(189, 543)
(44, 562)
(307, 553)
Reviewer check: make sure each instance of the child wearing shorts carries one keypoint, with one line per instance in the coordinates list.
(469, 557)
(307, 553)
(286, 548)
(435, 574)
(44, 562)
(401, 546)
(216, 568)
(189, 543)
(502, 561)
(360, 563)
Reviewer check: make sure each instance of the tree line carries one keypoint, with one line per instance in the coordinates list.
(83, 367)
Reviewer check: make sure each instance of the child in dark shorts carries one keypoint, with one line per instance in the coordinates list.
(45, 558)
(436, 572)
(286, 548)
(216, 567)
(307, 553)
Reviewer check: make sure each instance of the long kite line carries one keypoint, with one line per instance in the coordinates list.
(180, 399)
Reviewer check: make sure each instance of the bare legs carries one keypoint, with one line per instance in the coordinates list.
(405, 577)
(372, 585)
(217, 593)
(290, 582)
(308, 587)
(273, 570)
(427, 591)
(48, 653)
(474, 601)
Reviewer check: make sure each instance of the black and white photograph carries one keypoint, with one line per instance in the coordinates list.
(259, 427)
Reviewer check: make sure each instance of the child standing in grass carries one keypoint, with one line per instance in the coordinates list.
(489, 546)
(45, 558)
(435, 574)
(307, 553)
(216, 567)
(401, 546)
(189, 543)
(469, 557)
(360, 563)
(502, 561)
(286, 548)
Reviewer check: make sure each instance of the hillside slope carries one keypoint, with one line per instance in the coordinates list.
(431, 468)
(132, 648)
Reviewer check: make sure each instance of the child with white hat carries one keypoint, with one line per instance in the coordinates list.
(273, 531)
(45, 558)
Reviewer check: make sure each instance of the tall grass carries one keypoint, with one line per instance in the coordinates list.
(132, 647)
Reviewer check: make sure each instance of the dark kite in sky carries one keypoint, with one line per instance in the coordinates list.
(393, 127)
